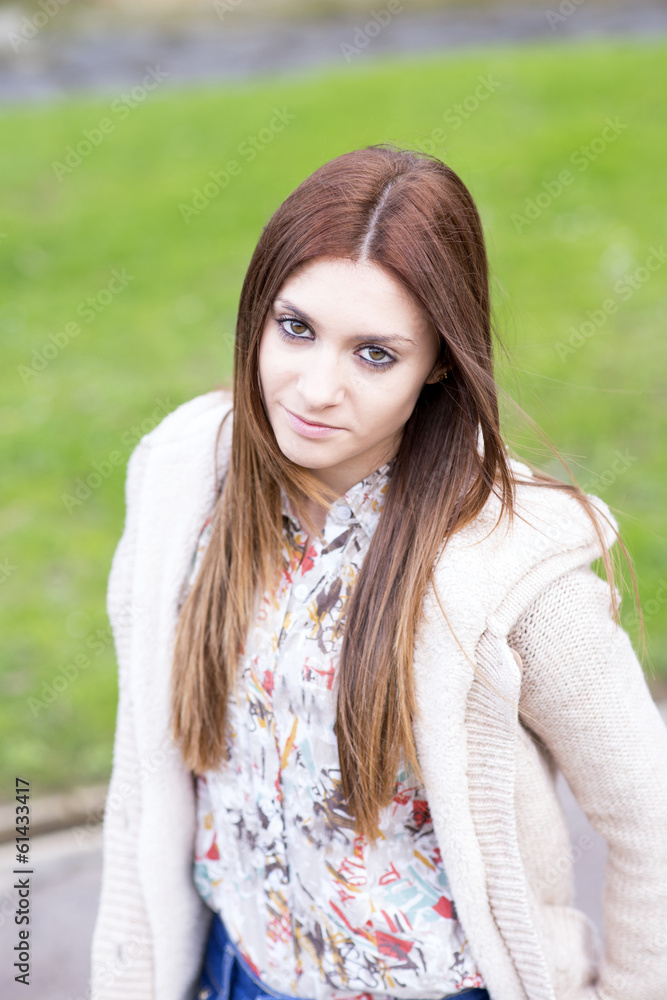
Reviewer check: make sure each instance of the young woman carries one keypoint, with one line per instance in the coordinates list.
(356, 642)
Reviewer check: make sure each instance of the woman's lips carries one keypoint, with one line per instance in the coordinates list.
(307, 429)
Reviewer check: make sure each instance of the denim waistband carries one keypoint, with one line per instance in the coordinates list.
(225, 957)
(226, 973)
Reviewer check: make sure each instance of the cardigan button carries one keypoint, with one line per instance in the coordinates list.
(205, 994)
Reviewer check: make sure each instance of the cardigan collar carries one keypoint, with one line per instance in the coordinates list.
(360, 505)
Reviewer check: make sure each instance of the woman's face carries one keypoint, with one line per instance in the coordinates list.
(343, 345)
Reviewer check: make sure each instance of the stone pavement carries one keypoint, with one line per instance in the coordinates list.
(65, 891)
(89, 50)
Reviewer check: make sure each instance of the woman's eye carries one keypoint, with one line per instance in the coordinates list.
(294, 323)
(377, 355)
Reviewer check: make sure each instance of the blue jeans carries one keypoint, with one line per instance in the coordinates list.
(227, 976)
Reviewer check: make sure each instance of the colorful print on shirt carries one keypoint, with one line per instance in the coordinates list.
(314, 909)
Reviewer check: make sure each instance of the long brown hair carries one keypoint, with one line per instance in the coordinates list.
(410, 214)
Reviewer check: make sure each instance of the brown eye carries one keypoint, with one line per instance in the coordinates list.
(384, 360)
(286, 322)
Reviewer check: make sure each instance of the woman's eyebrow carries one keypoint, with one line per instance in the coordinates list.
(390, 338)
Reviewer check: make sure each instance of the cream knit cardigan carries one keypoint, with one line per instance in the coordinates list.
(490, 736)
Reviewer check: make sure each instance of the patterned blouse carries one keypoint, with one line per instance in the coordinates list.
(314, 909)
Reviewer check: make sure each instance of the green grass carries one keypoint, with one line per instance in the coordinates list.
(165, 336)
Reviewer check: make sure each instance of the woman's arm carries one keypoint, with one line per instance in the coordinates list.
(584, 695)
(122, 949)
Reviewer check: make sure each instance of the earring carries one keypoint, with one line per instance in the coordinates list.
(444, 375)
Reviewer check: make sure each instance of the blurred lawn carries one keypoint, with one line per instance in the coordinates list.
(165, 336)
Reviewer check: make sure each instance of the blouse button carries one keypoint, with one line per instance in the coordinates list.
(342, 514)
(301, 592)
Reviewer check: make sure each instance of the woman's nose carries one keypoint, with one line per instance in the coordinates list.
(321, 384)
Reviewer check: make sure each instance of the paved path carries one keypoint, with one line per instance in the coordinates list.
(81, 51)
(63, 903)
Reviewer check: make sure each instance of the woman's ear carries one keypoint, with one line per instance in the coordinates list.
(441, 365)
(437, 372)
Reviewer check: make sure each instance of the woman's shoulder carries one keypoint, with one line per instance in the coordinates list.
(193, 417)
(550, 517)
(545, 518)
(182, 447)
(497, 562)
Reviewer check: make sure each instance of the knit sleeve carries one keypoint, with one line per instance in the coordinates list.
(584, 695)
(121, 959)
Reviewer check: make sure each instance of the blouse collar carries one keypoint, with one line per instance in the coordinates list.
(362, 504)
